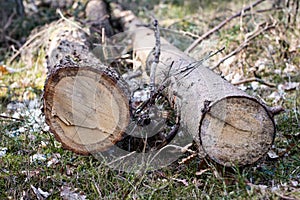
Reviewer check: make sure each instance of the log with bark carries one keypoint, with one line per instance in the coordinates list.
(228, 125)
(86, 104)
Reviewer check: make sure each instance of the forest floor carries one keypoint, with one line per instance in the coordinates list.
(264, 61)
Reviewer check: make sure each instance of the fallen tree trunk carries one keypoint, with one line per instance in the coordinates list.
(228, 125)
(86, 104)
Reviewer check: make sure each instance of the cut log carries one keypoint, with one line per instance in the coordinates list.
(86, 104)
(228, 125)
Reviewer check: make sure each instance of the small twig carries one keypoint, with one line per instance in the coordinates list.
(26, 44)
(151, 100)
(275, 110)
(183, 33)
(243, 45)
(263, 11)
(11, 118)
(122, 157)
(171, 134)
(296, 12)
(214, 53)
(68, 20)
(252, 79)
(157, 93)
(156, 56)
(187, 159)
(282, 196)
(189, 34)
(41, 33)
(9, 21)
(219, 26)
(192, 66)
(163, 148)
(103, 39)
(97, 188)
(13, 40)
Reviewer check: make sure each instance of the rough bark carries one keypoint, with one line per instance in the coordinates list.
(85, 102)
(228, 125)
(96, 13)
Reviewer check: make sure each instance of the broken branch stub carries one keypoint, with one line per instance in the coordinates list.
(228, 125)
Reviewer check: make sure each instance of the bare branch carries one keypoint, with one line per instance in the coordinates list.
(254, 79)
(219, 26)
(156, 56)
(28, 42)
(244, 44)
(11, 118)
(171, 134)
(152, 99)
(276, 110)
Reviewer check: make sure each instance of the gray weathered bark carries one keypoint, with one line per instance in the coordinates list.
(226, 123)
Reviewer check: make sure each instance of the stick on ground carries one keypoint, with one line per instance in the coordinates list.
(219, 26)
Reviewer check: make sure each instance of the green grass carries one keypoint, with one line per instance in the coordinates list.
(276, 178)
(94, 179)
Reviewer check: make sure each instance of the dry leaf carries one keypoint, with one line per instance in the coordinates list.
(40, 194)
(3, 151)
(289, 86)
(183, 181)
(37, 157)
(201, 172)
(3, 69)
(54, 159)
(8, 70)
(30, 174)
(272, 154)
(67, 194)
